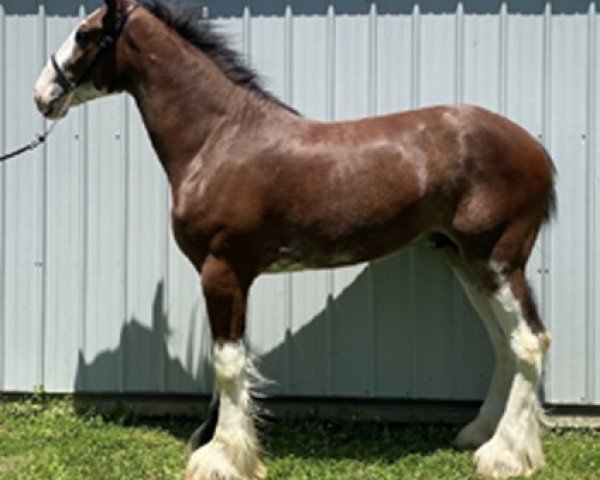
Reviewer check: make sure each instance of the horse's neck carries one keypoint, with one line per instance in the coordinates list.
(182, 97)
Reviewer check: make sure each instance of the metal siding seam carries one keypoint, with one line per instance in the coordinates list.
(247, 32)
(127, 236)
(416, 52)
(460, 54)
(591, 208)
(373, 51)
(458, 300)
(122, 138)
(289, 52)
(247, 51)
(85, 225)
(289, 292)
(330, 61)
(167, 251)
(547, 141)
(415, 101)
(129, 278)
(167, 280)
(371, 321)
(372, 110)
(167, 267)
(166, 226)
(44, 212)
(503, 59)
(40, 210)
(3, 199)
(330, 114)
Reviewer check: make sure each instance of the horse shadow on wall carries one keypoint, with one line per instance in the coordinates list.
(142, 361)
(401, 328)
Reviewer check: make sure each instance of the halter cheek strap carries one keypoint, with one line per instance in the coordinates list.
(66, 84)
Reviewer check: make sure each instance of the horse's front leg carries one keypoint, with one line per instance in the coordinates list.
(233, 451)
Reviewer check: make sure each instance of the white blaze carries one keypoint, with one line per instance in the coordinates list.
(47, 88)
(49, 95)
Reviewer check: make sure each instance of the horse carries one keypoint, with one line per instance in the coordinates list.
(256, 187)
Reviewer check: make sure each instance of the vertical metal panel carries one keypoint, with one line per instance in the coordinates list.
(481, 70)
(264, 26)
(147, 220)
(594, 184)
(3, 119)
(437, 52)
(23, 204)
(349, 318)
(64, 213)
(568, 259)
(592, 371)
(95, 296)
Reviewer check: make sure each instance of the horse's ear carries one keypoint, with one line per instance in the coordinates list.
(112, 4)
(115, 6)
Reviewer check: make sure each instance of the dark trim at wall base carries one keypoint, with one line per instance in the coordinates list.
(331, 408)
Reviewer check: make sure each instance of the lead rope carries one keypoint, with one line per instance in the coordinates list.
(36, 142)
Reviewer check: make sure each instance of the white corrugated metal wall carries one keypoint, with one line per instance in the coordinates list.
(94, 296)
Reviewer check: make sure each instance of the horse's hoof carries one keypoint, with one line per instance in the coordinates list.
(211, 462)
(473, 435)
(499, 459)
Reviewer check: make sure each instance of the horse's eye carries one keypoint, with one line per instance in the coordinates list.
(82, 37)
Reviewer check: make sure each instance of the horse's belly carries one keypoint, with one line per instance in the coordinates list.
(292, 264)
(343, 253)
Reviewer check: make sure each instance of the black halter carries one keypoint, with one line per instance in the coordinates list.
(107, 41)
(69, 85)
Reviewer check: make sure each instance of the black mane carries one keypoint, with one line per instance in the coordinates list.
(189, 22)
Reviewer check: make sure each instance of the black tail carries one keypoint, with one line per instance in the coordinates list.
(205, 432)
(551, 204)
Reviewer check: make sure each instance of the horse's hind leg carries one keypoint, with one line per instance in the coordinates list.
(481, 429)
(515, 448)
(232, 450)
(492, 272)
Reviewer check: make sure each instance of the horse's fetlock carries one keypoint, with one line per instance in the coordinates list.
(229, 362)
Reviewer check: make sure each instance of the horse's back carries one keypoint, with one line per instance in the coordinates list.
(438, 154)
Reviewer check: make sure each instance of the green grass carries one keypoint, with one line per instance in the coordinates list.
(51, 440)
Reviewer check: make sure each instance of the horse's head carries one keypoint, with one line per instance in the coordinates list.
(85, 66)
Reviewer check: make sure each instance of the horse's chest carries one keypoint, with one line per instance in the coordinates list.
(190, 229)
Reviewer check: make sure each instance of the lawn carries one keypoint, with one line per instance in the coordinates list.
(53, 440)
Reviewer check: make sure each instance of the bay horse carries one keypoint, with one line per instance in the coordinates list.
(256, 187)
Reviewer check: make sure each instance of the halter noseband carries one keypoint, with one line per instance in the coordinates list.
(107, 41)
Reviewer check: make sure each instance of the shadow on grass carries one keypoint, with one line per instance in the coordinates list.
(312, 438)
(140, 346)
(371, 442)
(142, 362)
